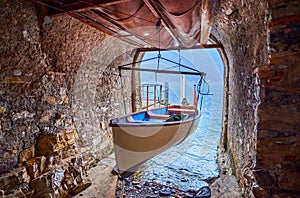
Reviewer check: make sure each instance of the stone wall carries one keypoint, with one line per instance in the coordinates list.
(88, 60)
(58, 90)
(243, 34)
(261, 136)
(20, 84)
(277, 170)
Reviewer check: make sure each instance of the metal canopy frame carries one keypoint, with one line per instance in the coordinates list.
(162, 71)
(192, 72)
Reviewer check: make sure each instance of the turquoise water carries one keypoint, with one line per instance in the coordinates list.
(189, 165)
(193, 162)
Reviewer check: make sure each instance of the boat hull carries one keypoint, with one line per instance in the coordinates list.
(137, 142)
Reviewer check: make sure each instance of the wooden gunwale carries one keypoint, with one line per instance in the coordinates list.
(137, 123)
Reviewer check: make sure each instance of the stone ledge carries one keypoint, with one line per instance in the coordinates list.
(103, 181)
(226, 186)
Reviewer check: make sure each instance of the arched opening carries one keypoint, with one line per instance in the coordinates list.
(193, 163)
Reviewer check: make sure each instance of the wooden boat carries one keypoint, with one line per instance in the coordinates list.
(140, 136)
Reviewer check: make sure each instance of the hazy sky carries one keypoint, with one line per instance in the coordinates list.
(204, 60)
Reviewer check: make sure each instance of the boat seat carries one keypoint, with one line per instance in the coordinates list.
(178, 110)
(130, 119)
(157, 116)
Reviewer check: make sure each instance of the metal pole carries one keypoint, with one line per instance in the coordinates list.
(154, 95)
(162, 71)
(182, 86)
(166, 93)
(160, 94)
(147, 97)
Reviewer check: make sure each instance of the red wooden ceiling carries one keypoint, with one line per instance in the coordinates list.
(145, 23)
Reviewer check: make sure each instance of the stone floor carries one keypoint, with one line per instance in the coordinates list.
(104, 183)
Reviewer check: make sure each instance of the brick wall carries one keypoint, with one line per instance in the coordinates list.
(261, 41)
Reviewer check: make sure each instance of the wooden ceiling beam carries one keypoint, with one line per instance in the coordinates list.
(205, 46)
(86, 19)
(118, 26)
(207, 17)
(77, 5)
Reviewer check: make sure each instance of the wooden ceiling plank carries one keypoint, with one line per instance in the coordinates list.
(207, 17)
(205, 46)
(118, 26)
(85, 19)
(79, 5)
(165, 22)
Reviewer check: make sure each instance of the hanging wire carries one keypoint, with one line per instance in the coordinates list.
(202, 93)
(179, 58)
(111, 9)
(91, 4)
(159, 55)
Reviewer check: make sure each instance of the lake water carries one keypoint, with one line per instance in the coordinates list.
(194, 161)
(189, 165)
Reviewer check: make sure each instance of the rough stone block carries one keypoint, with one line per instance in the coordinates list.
(50, 100)
(46, 145)
(43, 185)
(52, 161)
(33, 168)
(2, 109)
(66, 138)
(264, 179)
(13, 80)
(23, 115)
(263, 72)
(18, 193)
(80, 188)
(26, 154)
(225, 186)
(10, 154)
(65, 99)
(42, 163)
(36, 166)
(259, 192)
(71, 136)
(289, 176)
(45, 117)
(285, 195)
(14, 180)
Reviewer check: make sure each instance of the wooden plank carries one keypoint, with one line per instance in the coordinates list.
(81, 5)
(273, 3)
(204, 46)
(103, 28)
(165, 21)
(207, 16)
(99, 15)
